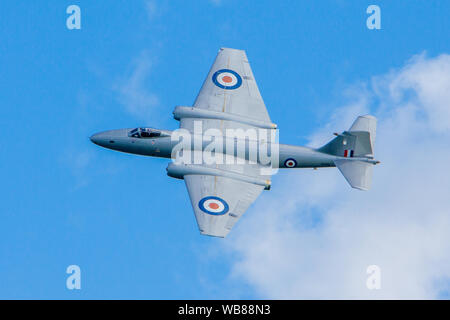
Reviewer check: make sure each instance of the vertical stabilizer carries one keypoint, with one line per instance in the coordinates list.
(364, 129)
(354, 151)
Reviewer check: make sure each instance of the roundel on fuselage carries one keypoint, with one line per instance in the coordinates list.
(290, 163)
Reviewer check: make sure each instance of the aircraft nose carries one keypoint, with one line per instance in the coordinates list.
(98, 138)
(110, 139)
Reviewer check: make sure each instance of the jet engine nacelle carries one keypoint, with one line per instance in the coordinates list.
(181, 112)
(178, 171)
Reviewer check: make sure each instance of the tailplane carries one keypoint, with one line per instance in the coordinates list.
(357, 173)
(354, 149)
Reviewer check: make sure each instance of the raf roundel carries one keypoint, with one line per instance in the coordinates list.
(290, 163)
(213, 205)
(227, 79)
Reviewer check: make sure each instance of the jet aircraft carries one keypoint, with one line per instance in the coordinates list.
(229, 100)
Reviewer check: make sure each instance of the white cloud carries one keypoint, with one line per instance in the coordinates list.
(132, 89)
(313, 236)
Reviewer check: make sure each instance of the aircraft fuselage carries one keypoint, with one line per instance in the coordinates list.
(163, 146)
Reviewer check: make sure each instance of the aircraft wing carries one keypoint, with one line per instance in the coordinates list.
(228, 99)
(219, 201)
(230, 87)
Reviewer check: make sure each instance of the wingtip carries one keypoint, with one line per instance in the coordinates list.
(361, 188)
(222, 236)
(230, 49)
(369, 116)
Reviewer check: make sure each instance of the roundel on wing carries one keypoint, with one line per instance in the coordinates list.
(213, 205)
(290, 163)
(227, 79)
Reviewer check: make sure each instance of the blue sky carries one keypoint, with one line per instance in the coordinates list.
(128, 226)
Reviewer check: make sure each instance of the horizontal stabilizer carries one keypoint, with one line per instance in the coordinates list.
(357, 173)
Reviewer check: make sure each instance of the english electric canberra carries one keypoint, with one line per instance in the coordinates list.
(225, 173)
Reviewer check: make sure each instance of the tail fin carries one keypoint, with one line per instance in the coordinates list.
(357, 173)
(355, 151)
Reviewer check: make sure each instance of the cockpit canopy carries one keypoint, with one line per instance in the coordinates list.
(145, 133)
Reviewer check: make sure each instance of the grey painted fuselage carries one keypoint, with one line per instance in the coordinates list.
(163, 145)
